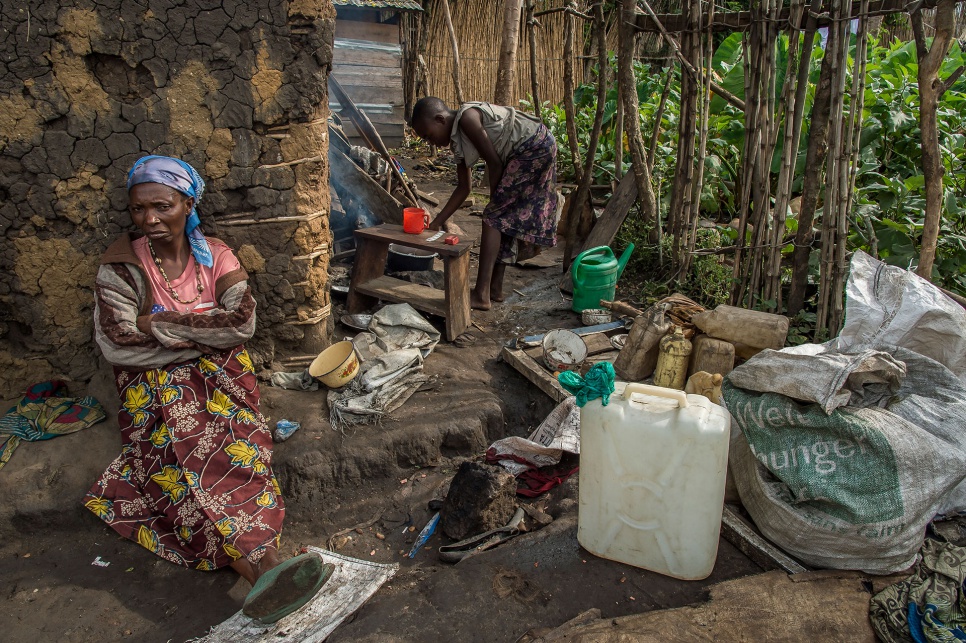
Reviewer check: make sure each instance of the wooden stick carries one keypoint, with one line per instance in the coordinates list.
(621, 308)
(715, 87)
(291, 163)
(569, 10)
(427, 198)
(534, 77)
(368, 131)
(658, 118)
(307, 217)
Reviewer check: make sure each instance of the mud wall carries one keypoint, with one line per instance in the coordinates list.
(236, 88)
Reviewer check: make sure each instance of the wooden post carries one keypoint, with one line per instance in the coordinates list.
(456, 51)
(812, 185)
(783, 189)
(681, 193)
(838, 50)
(568, 83)
(586, 176)
(506, 71)
(628, 89)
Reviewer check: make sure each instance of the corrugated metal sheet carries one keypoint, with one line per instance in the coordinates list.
(401, 5)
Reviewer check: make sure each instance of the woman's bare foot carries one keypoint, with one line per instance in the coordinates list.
(268, 561)
(251, 572)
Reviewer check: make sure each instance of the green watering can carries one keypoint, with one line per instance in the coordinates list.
(595, 273)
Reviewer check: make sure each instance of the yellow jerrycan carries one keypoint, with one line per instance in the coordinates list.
(673, 355)
(652, 479)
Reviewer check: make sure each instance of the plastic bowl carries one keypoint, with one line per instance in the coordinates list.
(594, 316)
(403, 259)
(563, 350)
(337, 365)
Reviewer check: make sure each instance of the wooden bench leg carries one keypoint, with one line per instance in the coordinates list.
(456, 271)
(370, 263)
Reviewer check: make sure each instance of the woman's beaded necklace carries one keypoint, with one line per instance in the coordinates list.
(171, 290)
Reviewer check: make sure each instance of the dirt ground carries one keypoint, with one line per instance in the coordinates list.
(379, 477)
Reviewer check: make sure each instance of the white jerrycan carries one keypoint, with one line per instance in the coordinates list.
(652, 479)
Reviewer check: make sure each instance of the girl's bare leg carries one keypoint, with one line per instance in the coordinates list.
(496, 282)
(489, 247)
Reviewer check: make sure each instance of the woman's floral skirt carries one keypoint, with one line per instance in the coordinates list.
(193, 482)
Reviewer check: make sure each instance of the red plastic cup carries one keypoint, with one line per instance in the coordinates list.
(415, 220)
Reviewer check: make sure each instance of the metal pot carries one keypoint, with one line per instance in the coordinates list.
(403, 259)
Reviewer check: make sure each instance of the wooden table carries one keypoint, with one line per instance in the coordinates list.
(369, 283)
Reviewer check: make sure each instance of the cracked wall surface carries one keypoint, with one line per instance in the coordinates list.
(237, 89)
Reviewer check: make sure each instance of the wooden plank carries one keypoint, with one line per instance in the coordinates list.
(360, 52)
(424, 298)
(608, 356)
(535, 373)
(362, 95)
(745, 538)
(597, 343)
(390, 233)
(370, 263)
(363, 187)
(360, 76)
(372, 31)
(385, 114)
(456, 274)
(388, 122)
(377, 59)
(610, 221)
(387, 132)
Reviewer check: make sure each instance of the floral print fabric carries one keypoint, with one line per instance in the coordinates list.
(193, 483)
(524, 206)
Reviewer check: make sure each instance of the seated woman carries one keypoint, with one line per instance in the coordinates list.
(193, 483)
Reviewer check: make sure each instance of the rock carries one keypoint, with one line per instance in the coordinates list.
(481, 497)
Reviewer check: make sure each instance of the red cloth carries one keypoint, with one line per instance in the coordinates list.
(533, 482)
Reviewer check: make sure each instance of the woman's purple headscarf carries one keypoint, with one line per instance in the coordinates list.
(176, 174)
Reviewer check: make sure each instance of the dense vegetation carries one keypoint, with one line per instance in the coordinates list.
(889, 197)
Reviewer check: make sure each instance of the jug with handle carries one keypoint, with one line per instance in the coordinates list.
(415, 220)
(595, 273)
(652, 479)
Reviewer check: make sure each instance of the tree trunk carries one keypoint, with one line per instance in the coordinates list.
(931, 90)
(568, 98)
(811, 186)
(503, 94)
(456, 51)
(632, 120)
